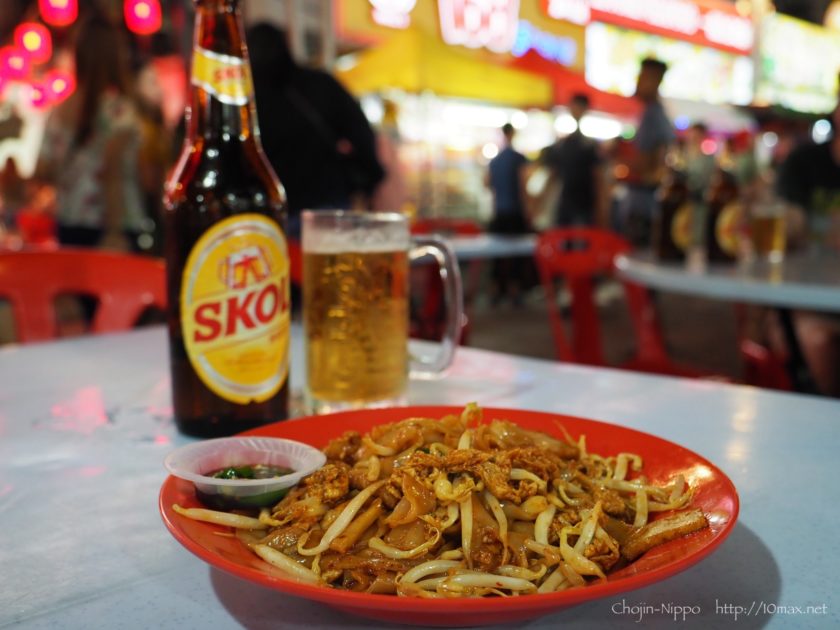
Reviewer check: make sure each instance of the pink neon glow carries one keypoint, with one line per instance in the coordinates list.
(708, 146)
(59, 84)
(13, 63)
(487, 24)
(34, 41)
(39, 96)
(142, 16)
(59, 12)
(84, 412)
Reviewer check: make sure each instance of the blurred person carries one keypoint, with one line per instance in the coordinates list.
(155, 150)
(391, 193)
(313, 131)
(90, 147)
(12, 193)
(809, 180)
(506, 179)
(699, 166)
(741, 159)
(576, 162)
(654, 135)
(700, 171)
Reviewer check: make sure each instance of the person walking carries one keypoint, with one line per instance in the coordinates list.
(91, 147)
(575, 161)
(313, 131)
(506, 178)
(654, 136)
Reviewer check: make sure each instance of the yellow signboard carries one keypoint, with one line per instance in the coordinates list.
(463, 25)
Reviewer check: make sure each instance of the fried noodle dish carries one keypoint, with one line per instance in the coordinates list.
(461, 507)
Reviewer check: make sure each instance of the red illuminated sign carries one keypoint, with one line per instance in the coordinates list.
(706, 22)
(490, 24)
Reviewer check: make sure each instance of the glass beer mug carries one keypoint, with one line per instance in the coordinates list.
(356, 308)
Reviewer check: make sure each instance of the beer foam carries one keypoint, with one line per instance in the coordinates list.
(361, 241)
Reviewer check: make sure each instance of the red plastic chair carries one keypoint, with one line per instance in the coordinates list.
(429, 322)
(295, 262)
(578, 256)
(124, 286)
(763, 367)
(446, 227)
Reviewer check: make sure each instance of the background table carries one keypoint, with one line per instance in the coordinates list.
(803, 281)
(85, 425)
(485, 246)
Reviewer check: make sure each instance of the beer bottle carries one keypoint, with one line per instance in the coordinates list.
(672, 224)
(226, 251)
(724, 217)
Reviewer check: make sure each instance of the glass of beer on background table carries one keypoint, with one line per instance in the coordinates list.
(768, 231)
(356, 308)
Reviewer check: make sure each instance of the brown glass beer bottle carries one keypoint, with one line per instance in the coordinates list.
(672, 224)
(723, 220)
(226, 251)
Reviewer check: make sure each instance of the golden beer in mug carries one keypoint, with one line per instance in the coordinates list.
(356, 318)
(355, 308)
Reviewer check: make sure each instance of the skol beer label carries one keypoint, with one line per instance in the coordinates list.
(235, 308)
(224, 76)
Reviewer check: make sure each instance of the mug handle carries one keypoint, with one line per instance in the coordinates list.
(453, 295)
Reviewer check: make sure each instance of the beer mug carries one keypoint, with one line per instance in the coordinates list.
(356, 308)
(768, 231)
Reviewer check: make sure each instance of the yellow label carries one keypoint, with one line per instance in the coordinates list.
(726, 228)
(235, 308)
(681, 227)
(224, 76)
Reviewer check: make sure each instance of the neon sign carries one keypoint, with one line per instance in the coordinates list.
(392, 13)
(708, 22)
(563, 50)
(490, 24)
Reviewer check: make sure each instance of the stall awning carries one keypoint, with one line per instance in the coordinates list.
(566, 83)
(416, 62)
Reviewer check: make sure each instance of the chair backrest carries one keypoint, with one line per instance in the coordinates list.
(578, 256)
(295, 262)
(446, 226)
(124, 286)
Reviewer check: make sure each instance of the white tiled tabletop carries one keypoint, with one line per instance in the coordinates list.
(85, 425)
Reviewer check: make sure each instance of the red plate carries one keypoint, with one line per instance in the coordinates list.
(714, 494)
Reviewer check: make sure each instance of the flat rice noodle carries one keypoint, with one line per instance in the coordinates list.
(420, 499)
(407, 536)
(384, 584)
(486, 547)
(357, 527)
(367, 560)
(523, 527)
(616, 528)
(518, 550)
(398, 436)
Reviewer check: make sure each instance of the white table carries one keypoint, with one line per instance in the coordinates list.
(806, 281)
(809, 281)
(485, 246)
(85, 425)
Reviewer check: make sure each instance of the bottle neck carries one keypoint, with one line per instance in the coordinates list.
(222, 92)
